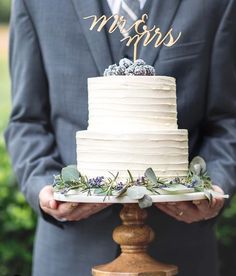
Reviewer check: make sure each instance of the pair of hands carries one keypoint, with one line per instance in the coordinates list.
(188, 212)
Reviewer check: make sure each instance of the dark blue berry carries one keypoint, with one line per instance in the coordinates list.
(125, 62)
(110, 71)
(130, 70)
(139, 70)
(150, 71)
(106, 73)
(140, 62)
(119, 71)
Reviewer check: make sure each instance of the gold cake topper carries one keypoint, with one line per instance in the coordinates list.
(141, 31)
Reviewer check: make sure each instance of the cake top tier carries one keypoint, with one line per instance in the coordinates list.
(132, 103)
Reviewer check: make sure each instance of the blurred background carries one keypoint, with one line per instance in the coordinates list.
(17, 221)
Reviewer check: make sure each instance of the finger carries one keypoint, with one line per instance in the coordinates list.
(210, 210)
(62, 211)
(86, 211)
(95, 209)
(204, 206)
(46, 199)
(54, 213)
(218, 189)
(175, 214)
(215, 209)
(71, 211)
(188, 213)
(201, 205)
(206, 209)
(185, 206)
(66, 208)
(219, 203)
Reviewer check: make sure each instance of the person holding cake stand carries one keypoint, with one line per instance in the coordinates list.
(52, 54)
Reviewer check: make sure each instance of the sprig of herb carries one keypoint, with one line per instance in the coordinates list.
(70, 179)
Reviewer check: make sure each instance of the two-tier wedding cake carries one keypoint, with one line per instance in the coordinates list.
(132, 148)
(132, 126)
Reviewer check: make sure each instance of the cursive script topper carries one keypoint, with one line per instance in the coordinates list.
(142, 34)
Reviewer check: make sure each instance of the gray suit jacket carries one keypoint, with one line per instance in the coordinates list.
(52, 55)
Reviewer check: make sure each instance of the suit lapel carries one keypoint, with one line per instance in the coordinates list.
(161, 14)
(97, 41)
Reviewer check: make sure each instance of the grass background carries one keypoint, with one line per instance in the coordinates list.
(17, 221)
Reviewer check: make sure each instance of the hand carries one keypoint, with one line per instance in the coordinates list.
(193, 211)
(67, 211)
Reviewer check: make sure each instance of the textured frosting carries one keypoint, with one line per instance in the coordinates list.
(132, 126)
(165, 151)
(146, 103)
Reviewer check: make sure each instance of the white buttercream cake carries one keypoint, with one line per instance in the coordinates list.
(132, 126)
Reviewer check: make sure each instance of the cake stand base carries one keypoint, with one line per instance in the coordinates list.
(134, 265)
(133, 236)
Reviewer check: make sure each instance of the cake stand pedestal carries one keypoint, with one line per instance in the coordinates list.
(133, 235)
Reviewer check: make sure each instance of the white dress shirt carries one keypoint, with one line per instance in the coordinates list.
(115, 5)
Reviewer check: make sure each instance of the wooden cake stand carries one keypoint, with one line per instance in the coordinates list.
(133, 236)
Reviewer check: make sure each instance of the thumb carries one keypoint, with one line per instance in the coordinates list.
(218, 189)
(46, 198)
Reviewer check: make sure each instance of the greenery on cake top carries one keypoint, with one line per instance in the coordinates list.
(127, 67)
(139, 189)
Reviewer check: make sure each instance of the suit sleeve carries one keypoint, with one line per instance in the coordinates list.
(29, 135)
(219, 141)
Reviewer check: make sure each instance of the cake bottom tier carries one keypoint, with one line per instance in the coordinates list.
(104, 154)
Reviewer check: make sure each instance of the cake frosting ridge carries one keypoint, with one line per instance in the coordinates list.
(132, 103)
(132, 126)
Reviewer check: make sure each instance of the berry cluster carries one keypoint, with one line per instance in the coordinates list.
(128, 68)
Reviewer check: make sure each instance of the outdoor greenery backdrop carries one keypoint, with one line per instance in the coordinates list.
(17, 221)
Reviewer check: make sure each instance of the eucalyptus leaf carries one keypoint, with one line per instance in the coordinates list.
(119, 193)
(70, 173)
(145, 202)
(208, 195)
(197, 169)
(176, 189)
(196, 163)
(136, 192)
(149, 173)
(99, 191)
